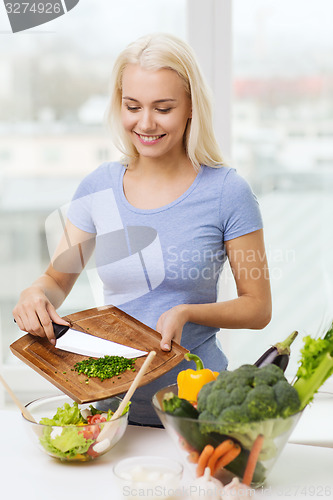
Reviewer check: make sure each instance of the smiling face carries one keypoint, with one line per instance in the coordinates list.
(155, 110)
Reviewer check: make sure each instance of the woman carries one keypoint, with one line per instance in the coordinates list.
(164, 220)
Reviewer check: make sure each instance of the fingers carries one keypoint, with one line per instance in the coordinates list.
(170, 326)
(165, 343)
(36, 318)
(167, 335)
(19, 322)
(30, 323)
(37, 326)
(53, 316)
(46, 325)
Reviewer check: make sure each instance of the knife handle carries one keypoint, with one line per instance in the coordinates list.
(59, 330)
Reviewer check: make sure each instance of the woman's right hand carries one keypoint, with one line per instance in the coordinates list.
(36, 308)
(34, 314)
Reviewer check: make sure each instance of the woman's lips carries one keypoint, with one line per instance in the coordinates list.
(149, 139)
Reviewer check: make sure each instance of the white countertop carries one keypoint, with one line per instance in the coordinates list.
(315, 426)
(302, 471)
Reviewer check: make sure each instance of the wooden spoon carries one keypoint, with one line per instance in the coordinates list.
(109, 429)
(26, 413)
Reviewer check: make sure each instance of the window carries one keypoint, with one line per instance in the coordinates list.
(53, 95)
(282, 117)
(270, 68)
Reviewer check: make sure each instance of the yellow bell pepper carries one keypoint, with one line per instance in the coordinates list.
(190, 381)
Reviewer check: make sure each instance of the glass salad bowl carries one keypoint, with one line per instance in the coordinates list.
(191, 436)
(71, 432)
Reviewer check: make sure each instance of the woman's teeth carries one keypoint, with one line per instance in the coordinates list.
(150, 138)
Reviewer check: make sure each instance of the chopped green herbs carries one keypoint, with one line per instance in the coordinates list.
(106, 367)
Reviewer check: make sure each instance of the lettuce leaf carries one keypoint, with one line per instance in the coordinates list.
(66, 445)
(66, 415)
(69, 441)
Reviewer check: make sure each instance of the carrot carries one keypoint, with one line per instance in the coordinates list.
(203, 459)
(193, 457)
(220, 450)
(253, 459)
(228, 457)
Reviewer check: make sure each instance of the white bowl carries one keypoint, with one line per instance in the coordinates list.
(150, 477)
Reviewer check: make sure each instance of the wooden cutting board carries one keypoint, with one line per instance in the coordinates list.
(109, 323)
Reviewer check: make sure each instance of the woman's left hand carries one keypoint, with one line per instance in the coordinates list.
(170, 325)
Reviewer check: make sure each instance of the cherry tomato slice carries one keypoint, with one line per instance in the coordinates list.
(97, 419)
(91, 451)
(90, 431)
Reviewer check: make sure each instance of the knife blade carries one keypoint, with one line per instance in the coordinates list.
(69, 339)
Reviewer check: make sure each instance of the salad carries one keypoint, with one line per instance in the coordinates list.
(72, 432)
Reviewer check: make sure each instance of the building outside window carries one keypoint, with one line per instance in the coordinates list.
(282, 121)
(270, 67)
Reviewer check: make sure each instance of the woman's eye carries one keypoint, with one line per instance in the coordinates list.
(132, 108)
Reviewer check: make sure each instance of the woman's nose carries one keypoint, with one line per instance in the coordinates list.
(147, 121)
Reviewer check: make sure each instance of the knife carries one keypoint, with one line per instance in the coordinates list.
(68, 339)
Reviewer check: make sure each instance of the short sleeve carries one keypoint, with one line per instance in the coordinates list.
(80, 212)
(240, 211)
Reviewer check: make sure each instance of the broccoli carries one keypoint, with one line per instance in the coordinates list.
(261, 402)
(243, 403)
(262, 393)
(270, 376)
(285, 398)
(205, 391)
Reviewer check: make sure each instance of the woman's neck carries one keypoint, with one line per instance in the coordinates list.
(162, 168)
(152, 184)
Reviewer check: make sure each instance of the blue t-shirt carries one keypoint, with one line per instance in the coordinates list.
(152, 260)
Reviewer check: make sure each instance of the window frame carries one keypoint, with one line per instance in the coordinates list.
(209, 32)
(204, 32)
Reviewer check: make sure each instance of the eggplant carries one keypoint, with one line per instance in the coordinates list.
(278, 354)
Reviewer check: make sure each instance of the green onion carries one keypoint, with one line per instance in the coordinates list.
(106, 367)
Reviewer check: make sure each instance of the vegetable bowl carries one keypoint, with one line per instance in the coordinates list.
(247, 451)
(65, 430)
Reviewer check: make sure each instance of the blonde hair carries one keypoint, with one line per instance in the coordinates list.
(165, 51)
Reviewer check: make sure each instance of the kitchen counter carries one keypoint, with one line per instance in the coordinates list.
(315, 426)
(302, 471)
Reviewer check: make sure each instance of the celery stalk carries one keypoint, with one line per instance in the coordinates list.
(308, 386)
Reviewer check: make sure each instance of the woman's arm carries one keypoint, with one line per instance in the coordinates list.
(251, 309)
(37, 305)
